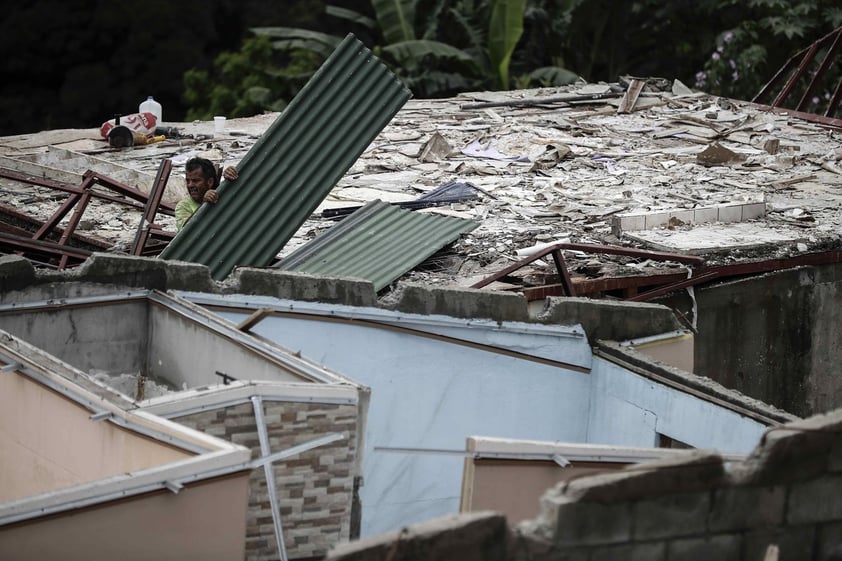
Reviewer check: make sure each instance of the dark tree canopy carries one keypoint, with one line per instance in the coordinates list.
(78, 63)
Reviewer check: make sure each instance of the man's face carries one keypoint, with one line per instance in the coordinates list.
(197, 184)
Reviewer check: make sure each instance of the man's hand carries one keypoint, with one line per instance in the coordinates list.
(230, 173)
(210, 197)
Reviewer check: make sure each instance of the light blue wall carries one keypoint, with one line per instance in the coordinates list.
(629, 409)
(429, 394)
(432, 394)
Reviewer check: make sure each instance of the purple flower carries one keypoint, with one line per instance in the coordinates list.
(735, 76)
(720, 48)
(815, 100)
(727, 37)
(733, 63)
(715, 56)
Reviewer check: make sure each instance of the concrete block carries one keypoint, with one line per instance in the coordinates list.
(656, 551)
(789, 454)
(685, 216)
(722, 548)
(122, 270)
(705, 215)
(574, 523)
(15, 273)
(656, 220)
(300, 286)
(829, 544)
(752, 211)
(835, 456)
(696, 472)
(460, 303)
(479, 536)
(815, 501)
(671, 516)
(190, 277)
(614, 321)
(627, 223)
(794, 542)
(730, 213)
(737, 508)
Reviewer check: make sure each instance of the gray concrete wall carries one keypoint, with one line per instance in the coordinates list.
(784, 495)
(110, 337)
(775, 337)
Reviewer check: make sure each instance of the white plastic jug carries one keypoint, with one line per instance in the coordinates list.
(152, 106)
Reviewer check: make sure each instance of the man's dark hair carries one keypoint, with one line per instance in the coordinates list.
(208, 169)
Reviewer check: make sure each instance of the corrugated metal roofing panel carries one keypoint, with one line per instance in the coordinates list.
(295, 164)
(378, 243)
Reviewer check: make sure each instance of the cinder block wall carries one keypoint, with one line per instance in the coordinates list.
(315, 489)
(787, 494)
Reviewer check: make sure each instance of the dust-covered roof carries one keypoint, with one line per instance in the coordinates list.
(677, 171)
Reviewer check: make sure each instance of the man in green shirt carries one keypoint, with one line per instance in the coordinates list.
(201, 179)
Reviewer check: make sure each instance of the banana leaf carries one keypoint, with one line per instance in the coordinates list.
(504, 30)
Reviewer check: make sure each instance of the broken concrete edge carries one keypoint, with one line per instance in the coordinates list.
(690, 472)
(784, 452)
(598, 317)
(459, 302)
(799, 451)
(104, 272)
(649, 367)
(301, 286)
(475, 536)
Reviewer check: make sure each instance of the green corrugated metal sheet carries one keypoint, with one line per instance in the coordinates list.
(378, 243)
(295, 164)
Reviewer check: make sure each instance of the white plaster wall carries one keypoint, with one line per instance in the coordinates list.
(428, 394)
(628, 409)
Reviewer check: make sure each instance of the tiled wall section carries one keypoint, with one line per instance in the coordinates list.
(738, 212)
(315, 489)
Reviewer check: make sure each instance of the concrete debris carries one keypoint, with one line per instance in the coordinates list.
(549, 163)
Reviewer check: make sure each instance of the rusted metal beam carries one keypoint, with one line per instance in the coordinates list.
(671, 282)
(151, 208)
(797, 67)
(561, 267)
(62, 211)
(17, 243)
(164, 208)
(72, 224)
(827, 61)
(30, 224)
(686, 283)
(588, 248)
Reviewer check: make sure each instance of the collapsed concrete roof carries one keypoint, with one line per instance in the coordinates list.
(679, 170)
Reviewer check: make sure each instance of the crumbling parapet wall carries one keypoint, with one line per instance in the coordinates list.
(794, 317)
(315, 489)
(782, 502)
(611, 320)
(19, 281)
(785, 495)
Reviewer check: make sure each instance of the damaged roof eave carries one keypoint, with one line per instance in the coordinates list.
(227, 460)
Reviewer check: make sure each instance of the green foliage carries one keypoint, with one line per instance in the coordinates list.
(396, 19)
(748, 54)
(504, 30)
(247, 82)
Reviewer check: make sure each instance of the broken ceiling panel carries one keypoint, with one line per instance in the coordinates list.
(378, 243)
(295, 164)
